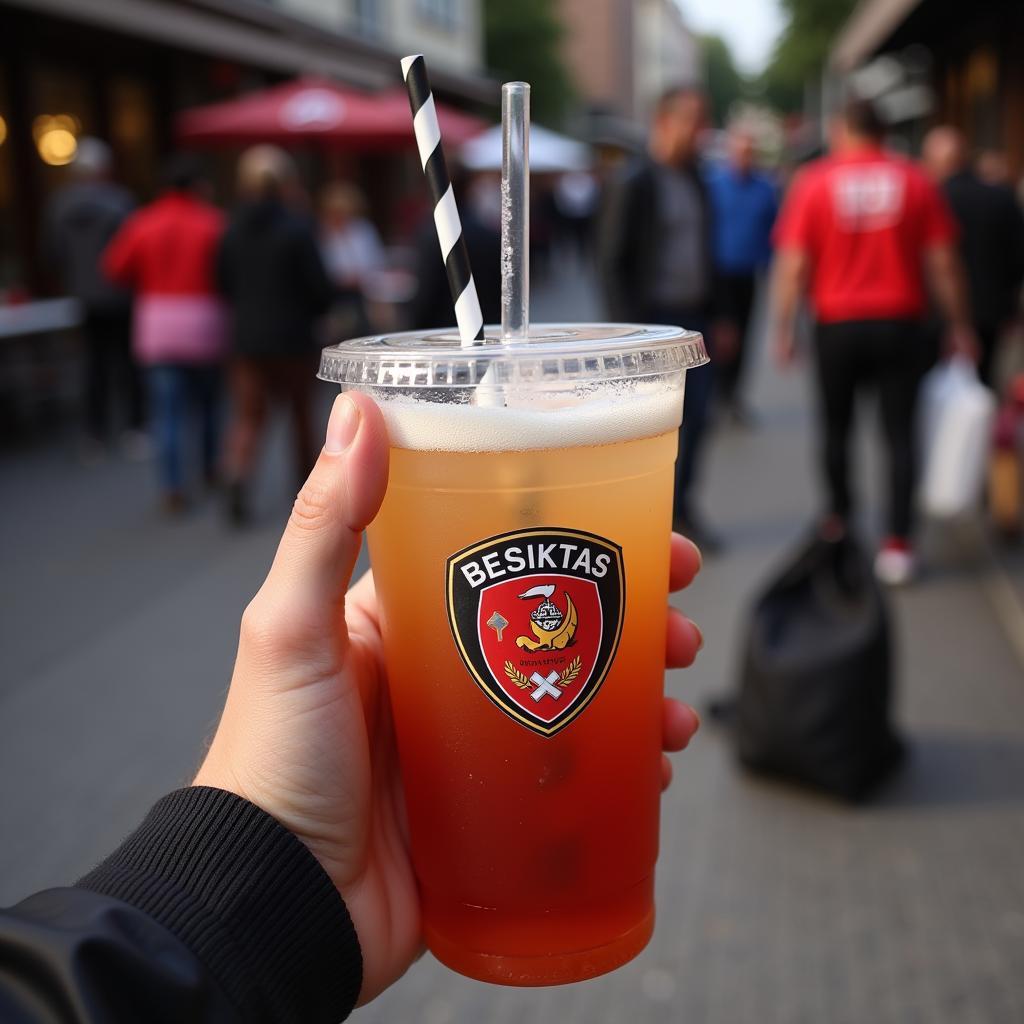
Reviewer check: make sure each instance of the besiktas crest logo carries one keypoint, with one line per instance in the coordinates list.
(536, 615)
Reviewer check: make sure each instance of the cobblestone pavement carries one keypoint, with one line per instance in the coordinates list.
(774, 906)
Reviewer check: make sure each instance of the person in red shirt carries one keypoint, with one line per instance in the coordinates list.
(866, 233)
(166, 253)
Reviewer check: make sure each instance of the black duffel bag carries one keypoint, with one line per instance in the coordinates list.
(816, 684)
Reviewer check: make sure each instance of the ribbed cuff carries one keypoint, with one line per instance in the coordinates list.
(248, 898)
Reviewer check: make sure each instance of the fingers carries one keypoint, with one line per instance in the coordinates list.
(361, 612)
(684, 562)
(362, 595)
(318, 550)
(679, 722)
(683, 640)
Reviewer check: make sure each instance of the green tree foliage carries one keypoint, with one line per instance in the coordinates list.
(802, 48)
(725, 84)
(522, 41)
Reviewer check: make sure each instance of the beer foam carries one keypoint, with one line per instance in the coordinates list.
(535, 425)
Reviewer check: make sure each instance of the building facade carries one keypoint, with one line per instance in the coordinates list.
(666, 53)
(598, 51)
(122, 69)
(448, 32)
(622, 54)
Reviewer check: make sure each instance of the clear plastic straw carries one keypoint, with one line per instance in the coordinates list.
(515, 211)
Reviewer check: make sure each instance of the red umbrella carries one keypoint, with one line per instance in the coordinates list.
(311, 109)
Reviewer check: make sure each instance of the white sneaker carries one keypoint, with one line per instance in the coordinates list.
(895, 564)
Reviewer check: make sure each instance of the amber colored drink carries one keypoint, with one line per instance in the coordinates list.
(534, 838)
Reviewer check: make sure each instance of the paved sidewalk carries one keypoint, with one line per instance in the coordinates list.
(775, 907)
(115, 647)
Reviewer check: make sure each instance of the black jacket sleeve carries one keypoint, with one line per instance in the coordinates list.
(210, 912)
(625, 243)
(431, 305)
(629, 237)
(224, 266)
(308, 265)
(718, 304)
(1014, 221)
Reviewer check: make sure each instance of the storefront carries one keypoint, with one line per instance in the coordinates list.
(121, 69)
(973, 59)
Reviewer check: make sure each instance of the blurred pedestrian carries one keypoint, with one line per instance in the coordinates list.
(270, 270)
(991, 240)
(745, 205)
(862, 230)
(479, 198)
(656, 265)
(79, 222)
(993, 168)
(166, 253)
(352, 253)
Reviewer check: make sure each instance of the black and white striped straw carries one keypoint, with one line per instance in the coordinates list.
(446, 213)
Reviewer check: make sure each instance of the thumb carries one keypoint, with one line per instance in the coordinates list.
(314, 561)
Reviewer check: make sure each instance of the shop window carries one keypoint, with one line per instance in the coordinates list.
(369, 17)
(983, 106)
(132, 133)
(440, 13)
(61, 114)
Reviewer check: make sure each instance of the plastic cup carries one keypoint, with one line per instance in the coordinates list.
(521, 560)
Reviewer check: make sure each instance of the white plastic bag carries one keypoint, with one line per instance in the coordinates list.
(957, 411)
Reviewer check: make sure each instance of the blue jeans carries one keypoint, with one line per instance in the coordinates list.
(696, 408)
(173, 390)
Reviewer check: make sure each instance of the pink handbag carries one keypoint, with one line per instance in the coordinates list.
(190, 329)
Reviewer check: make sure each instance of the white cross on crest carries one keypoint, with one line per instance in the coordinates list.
(543, 686)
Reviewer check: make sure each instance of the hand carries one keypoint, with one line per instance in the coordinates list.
(784, 346)
(306, 733)
(961, 340)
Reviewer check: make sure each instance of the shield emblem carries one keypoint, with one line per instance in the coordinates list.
(536, 616)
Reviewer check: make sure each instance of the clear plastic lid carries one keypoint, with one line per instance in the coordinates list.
(574, 353)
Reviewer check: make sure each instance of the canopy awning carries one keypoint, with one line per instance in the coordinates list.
(868, 27)
(318, 110)
(549, 152)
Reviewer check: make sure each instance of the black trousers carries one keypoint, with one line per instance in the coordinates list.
(110, 372)
(890, 356)
(736, 293)
(700, 385)
(988, 344)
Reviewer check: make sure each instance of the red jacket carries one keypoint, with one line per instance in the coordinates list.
(167, 254)
(865, 218)
(167, 248)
